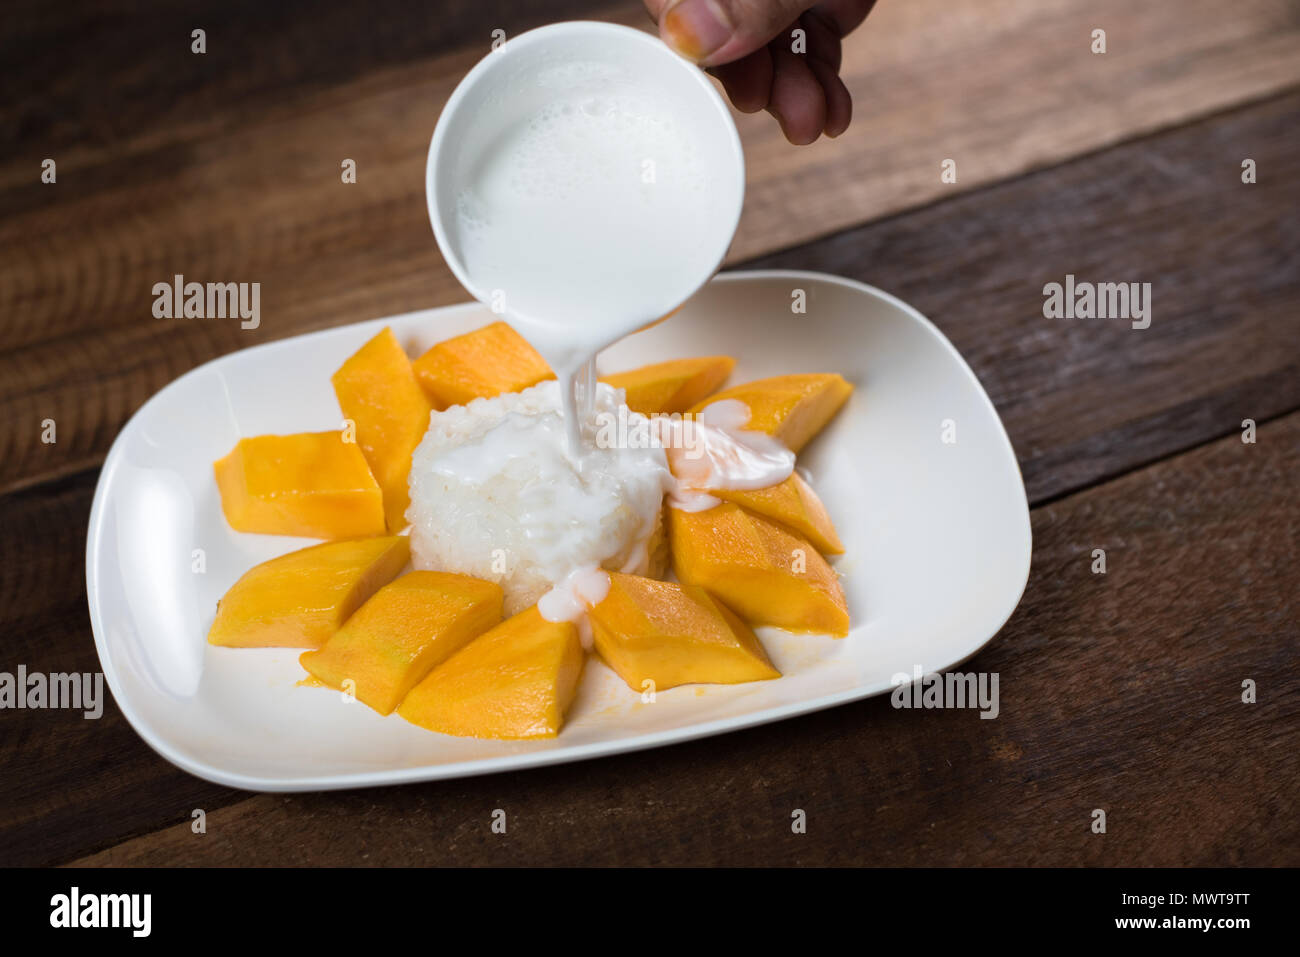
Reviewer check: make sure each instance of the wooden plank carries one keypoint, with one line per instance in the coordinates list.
(67, 782)
(1216, 347)
(241, 183)
(1003, 87)
(1119, 691)
(97, 84)
(1083, 399)
(1078, 396)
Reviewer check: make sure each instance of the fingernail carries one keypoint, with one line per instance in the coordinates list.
(695, 28)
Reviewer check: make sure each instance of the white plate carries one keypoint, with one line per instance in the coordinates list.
(936, 535)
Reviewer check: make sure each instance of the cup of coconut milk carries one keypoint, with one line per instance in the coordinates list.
(584, 181)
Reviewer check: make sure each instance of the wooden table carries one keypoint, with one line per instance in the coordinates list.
(1119, 691)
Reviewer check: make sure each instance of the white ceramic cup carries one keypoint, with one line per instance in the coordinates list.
(516, 81)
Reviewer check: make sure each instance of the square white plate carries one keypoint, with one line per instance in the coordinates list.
(936, 534)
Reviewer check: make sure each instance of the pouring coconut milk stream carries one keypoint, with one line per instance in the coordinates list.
(584, 182)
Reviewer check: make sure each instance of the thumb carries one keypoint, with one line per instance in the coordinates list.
(711, 32)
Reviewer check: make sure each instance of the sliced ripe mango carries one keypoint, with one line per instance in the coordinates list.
(479, 364)
(300, 599)
(658, 557)
(794, 504)
(378, 391)
(793, 408)
(515, 681)
(768, 575)
(311, 484)
(672, 635)
(672, 386)
(403, 632)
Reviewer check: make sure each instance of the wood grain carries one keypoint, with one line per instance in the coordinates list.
(67, 782)
(1084, 399)
(97, 84)
(1119, 691)
(227, 168)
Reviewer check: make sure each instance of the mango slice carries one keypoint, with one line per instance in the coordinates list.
(378, 391)
(794, 504)
(672, 386)
(793, 408)
(403, 632)
(659, 557)
(479, 364)
(673, 635)
(768, 575)
(312, 484)
(516, 681)
(299, 600)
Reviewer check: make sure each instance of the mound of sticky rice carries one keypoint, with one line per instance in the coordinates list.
(495, 493)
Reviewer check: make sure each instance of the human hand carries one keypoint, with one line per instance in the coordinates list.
(749, 46)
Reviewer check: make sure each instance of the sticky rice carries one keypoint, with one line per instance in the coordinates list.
(494, 494)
